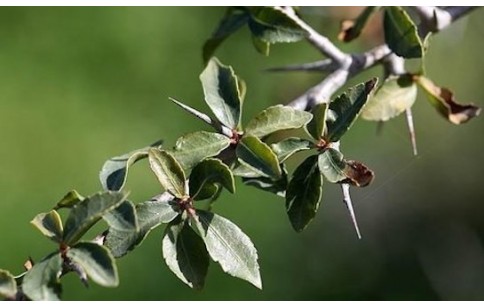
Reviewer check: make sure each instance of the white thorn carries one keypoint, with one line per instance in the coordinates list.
(411, 130)
(349, 205)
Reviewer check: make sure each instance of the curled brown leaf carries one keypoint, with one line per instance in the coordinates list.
(357, 174)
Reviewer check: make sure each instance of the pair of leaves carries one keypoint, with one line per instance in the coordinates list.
(186, 250)
(268, 25)
(202, 178)
(42, 281)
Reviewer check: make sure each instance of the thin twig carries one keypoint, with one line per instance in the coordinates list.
(326, 65)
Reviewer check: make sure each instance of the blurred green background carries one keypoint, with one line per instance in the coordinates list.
(79, 85)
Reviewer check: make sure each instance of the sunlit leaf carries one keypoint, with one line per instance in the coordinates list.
(287, 147)
(69, 200)
(396, 95)
(347, 107)
(41, 283)
(317, 127)
(50, 224)
(401, 33)
(276, 118)
(229, 246)
(222, 93)
(185, 254)
(85, 214)
(122, 217)
(97, 261)
(274, 26)
(259, 156)
(150, 214)
(8, 286)
(115, 170)
(206, 175)
(443, 100)
(304, 193)
(192, 148)
(168, 171)
(331, 164)
(351, 29)
(233, 20)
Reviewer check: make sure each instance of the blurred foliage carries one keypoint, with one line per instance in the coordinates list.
(80, 85)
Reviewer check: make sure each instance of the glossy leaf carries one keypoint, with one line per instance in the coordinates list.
(115, 170)
(150, 214)
(358, 174)
(347, 107)
(317, 127)
(8, 286)
(276, 118)
(401, 33)
(274, 26)
(41, 283)
(185, 254)
(304, 193)
(242, 169)
(222, 93)
(229, 246)
(97, 261)
(259, 156)
(351, 29)
(69, 200)
(206, 175)
(168, 171)
(332, 165)
(396, 95)
(50, 224)
(276, 186)
(85, 214)
(443, 100)
(287, 147)
(122, 217)
(232, 21)
(195, 147)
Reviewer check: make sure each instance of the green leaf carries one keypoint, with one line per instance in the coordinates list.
(401, 34)
(97, 261)
(222, 93)
(50, 224)
(41, 283)
(317, 127)
(259, 156)
(185, 254)
(347, 107)
(275, 186)
(150, 214)
(232, 21)
(122, 217)
(206, 175)
(195, 147)
(274, 26)
(115, 170)
(8, 286)
(287, 147)
(443, 100)
(261, 46)
(69, 200)
(229, 246)
(397, 94)
(304, 193)
(85, 214)
(351, 29)
(332, 165)
(168, 171)
(277, 118)
(243, 169)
